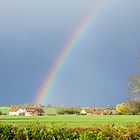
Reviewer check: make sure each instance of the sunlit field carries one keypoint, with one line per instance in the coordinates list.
(75, 120)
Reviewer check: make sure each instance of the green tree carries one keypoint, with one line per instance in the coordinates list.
(0, 112)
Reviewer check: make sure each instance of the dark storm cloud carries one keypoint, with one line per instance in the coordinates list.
(33, 32)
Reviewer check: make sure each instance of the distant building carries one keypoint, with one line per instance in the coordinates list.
(87, 111)
(97, 111)
(26, 112)
(34, 112)
(16, 112)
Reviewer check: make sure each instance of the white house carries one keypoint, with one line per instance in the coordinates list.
(16, 112)
(13, 114)
(20, 111)
(28, 114)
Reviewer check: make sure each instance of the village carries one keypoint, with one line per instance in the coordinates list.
(40, 111)
(26, 112)
(129, 107)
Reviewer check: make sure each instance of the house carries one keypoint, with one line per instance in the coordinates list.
(16, 112)
(13, 112)
(34, 112)
(98, 112)
(89, 111)
(21, 112)
(86, 111)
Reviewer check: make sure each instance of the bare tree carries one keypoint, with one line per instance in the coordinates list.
(134, 83)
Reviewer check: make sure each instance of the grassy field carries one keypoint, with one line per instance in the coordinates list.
(74, 120)
(5, 109)
(50, 110)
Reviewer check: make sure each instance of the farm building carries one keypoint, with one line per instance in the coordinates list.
(16, 112)
(97, 111)
(26, 112)
(34, 112)
(86, 111)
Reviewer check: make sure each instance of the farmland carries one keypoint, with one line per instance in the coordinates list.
(74, 120)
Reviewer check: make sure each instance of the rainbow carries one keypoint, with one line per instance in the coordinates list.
(59, 62)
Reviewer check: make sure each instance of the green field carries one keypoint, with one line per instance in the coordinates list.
(5, 109)
(74, 120)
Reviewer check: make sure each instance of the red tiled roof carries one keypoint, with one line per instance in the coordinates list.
(32, 110)
(13, 109)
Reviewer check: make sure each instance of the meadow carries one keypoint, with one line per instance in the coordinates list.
(4, 110)
(74, 120)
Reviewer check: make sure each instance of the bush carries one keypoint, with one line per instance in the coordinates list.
(69, 110)
(61, 111)
(41, 132)
(4, 114)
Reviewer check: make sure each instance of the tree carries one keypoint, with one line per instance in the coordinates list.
(134, 83)
(121, 108)
(68, 110)
(134, 105)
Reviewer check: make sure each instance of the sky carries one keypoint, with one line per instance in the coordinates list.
(32, 33)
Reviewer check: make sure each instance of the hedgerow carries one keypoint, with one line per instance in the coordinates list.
(37, 131)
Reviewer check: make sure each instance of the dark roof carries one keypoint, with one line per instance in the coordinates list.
(33, 110)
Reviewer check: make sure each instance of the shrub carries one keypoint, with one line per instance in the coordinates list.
(41, 132)
(4, 114)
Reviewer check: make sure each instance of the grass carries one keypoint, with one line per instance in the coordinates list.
(50, 110)
(74, 120)
(5, 109)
